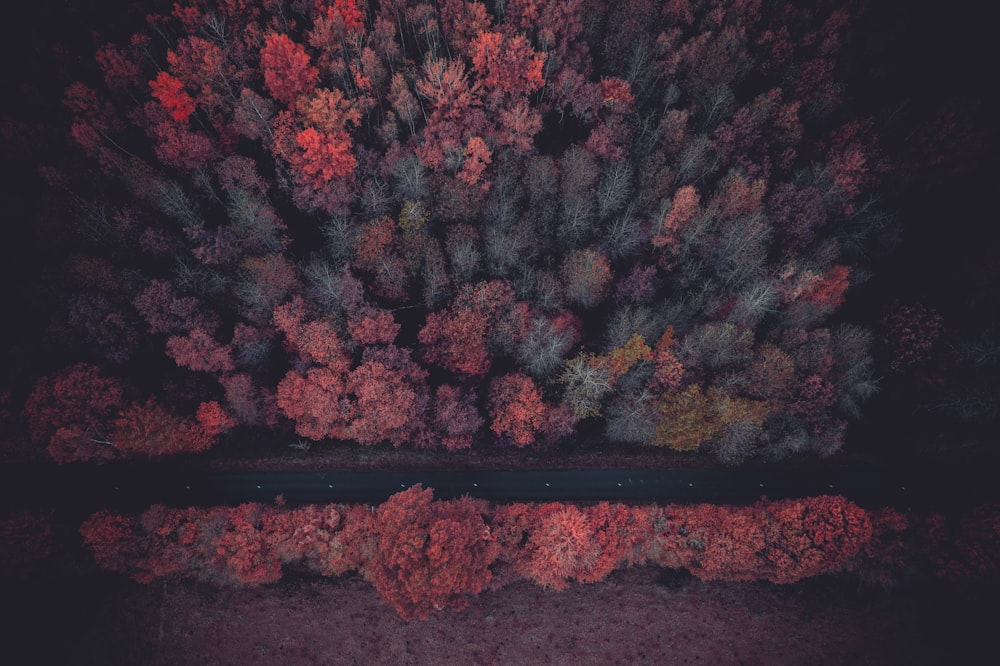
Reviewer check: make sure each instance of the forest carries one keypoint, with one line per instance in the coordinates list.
(432, 226)
(303, 228)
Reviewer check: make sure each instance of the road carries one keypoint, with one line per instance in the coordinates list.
(131, 486)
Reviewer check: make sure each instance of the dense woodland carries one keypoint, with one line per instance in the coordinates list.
(441, 224)
(455, 225)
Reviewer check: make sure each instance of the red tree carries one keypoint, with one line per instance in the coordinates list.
(685, 205)
(388, 398)
(564, 543)
(152, 430)
(71, 410)
(199, 351)
(286, 67)
(171, 94)
(314, 401)
(430, 556)
(507, 67)
(456, 338)
(456, 417)
(516, 408)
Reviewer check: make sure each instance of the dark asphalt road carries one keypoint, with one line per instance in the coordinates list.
(134, 487)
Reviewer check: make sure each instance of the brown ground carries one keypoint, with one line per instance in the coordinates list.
(641, 616)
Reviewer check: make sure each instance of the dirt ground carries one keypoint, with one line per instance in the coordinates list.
(641, 616)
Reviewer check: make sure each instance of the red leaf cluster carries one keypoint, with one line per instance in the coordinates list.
(171, 93)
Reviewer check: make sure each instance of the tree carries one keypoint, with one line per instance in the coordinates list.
(456, 338)
(477, 158)
(430, 556)
(165, 311)
(199, 351)
(71, 412)
(314, 401)
(691, 417)
(553, 544)
(506, 66)
(314, 340)
(587, 380)
(152, 430)
(910, 332)
(586, 275)
(455, 417)
(683, 208)
(315, 141)
(172, 95)
(286, 68)
(516, 408)
(388, 398)
(371, 326)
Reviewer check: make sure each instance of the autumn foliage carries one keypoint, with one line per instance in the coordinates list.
(461, 224)
(427, 556)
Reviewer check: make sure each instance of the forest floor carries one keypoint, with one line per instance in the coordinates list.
(639, 616)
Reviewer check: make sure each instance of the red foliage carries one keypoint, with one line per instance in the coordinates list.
(171, 93)
(828, 294)
(167, 312)
(389, 399)
(456, 338)
(152, 430)
(455, 416)
(324, 156)
(566, 543)
(814, 395)
(425, 556)
(685, 205)
(286, 68)
(350, 13)
(516, 408)
(248, 403)
(797, 212)
(781, 541)
(70, 412)
(268, 280)
(667, 369)
(739, 197)
(462, 21)
(616, 94)
(519, 123)
(221, 545)
(314, 402)
(477, 158)
(507, 67)
(456, 111)
(199, 351)
(622, 359)
(430, 556)
(372, 326)
(213, 419)
(310, 536)
(119, 67)
(176, 145)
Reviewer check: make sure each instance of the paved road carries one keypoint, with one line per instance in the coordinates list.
(137, 486)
